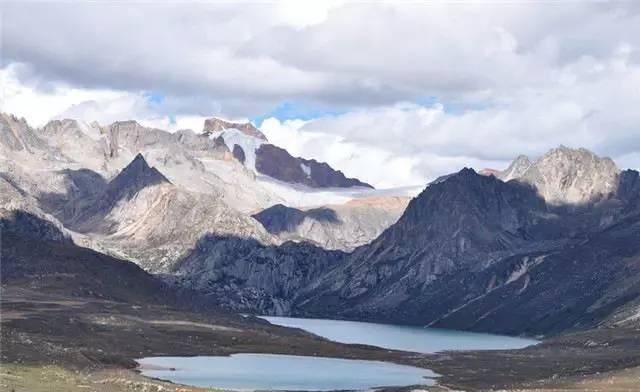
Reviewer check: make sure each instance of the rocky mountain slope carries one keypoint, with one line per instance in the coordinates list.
(142, 216)
(214, 125)
(73, 170)
(219, 161)
(251, 147)
(245, 275)
(472, 251)
(566, 176)
(548, 245)
(340, 226)
(36, 255)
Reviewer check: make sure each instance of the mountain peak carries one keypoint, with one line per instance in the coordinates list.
(571, 152)
(136, 176)
(566, 175)
(139, 160)
(214, 124)
(467, 171)
(516, 169)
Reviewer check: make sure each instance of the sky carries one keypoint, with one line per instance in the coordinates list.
(393, 93)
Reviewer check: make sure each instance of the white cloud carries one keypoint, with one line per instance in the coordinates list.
(252, 58)
(590, 103)
(39, 106)
(131, 107)
(505, 78)
(355, 159)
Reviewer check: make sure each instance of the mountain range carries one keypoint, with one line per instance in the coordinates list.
(546, 245)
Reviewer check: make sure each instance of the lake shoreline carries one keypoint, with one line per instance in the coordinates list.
(250, 371)
(77, 338)
(401, 337)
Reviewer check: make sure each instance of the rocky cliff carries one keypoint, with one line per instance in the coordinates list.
(276, 162)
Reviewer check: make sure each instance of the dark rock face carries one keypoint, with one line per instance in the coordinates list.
(212, 125)
(280, 218)
(238, 153)
(244, 275)
(475, 253)
(137, 175)
(629, 187)
(279, 164)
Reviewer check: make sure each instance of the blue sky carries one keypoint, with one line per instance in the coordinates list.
(291, 110)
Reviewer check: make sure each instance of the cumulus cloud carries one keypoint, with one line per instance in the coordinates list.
(591, 103)
(423, 88)
(267, 53)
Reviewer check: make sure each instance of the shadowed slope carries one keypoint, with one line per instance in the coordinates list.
(471, 252)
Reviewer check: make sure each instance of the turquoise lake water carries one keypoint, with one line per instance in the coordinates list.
(284, 372)
(398, 337)
(300, 373)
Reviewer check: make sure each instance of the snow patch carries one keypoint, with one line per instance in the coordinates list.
(306, 169)
(248, 143)
(633, 317)
(298, 195)
(526, 265)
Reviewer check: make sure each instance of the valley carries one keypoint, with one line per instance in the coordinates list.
(93, 342)
(122, 242)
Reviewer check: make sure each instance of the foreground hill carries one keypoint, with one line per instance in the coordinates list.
(37, 255)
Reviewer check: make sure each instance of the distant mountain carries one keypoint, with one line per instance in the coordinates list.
(133, 178)
(565, 175)
(339, 226)
(140, 215)
(489, 172)
(516, 169)
(146, 194)
(251, 147)
(548, 245)
(218, 161)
